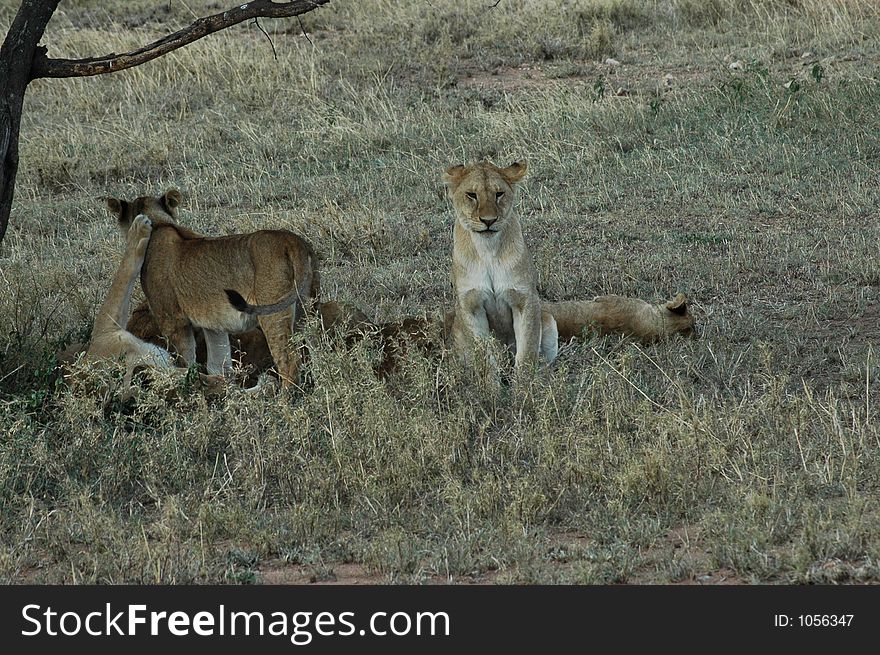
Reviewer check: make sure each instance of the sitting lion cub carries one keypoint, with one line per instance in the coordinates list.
(492, 271)
(223, 284)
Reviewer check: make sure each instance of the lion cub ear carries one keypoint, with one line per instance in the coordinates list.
(453, 175)
(117, 207)
(514, 173)
(172, 200)
(678, 305)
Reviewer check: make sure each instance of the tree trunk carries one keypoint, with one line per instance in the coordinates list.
(16, 58)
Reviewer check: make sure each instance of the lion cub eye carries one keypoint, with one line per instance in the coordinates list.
(499, 195)
(471, 195)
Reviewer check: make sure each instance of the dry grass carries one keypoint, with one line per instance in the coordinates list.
(752, 188)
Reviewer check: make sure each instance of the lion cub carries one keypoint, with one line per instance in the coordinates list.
(631, 317)
(223, 284)
(111, 339)
(492, 271)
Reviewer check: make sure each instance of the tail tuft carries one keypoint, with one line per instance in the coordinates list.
(237, 301)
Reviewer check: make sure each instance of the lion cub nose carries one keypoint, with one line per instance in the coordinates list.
(488, 221)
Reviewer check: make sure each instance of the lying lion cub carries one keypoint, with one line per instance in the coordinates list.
(223, 284)
(111, 339)
(619, 315)
(493, 276)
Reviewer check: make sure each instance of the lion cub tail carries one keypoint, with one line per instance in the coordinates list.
(307, 286)
(242, 305)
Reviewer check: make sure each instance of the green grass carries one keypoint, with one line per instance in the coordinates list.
(752, 453)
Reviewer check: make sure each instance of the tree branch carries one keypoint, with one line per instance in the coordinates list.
(46, 67)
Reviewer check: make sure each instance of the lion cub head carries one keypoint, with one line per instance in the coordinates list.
(483, 195)
(161, 208)
(676, 318)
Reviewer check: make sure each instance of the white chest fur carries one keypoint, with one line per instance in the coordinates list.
(490, 276)
(492, 268)
(487, 279)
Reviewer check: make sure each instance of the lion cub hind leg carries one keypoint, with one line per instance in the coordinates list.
(110, 338)
(278, 329)
(219, 352)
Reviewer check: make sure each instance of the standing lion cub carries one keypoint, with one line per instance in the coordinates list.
(223, 284)
(111, 339)
(492, 271)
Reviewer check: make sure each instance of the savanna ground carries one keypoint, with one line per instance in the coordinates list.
(731, 154)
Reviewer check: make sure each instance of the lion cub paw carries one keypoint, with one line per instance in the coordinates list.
(140, 231)
(142, 226)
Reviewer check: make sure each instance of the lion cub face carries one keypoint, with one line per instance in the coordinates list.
(161, 208)
(483, 195)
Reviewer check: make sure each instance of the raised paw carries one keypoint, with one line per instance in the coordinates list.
(141, 226)
(139, 232)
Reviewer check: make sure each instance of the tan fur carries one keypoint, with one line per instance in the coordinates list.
(342, 319)
(397, 339)
(111, 340)
(493, 276)
(250, 349)
(619, 315)
(427, 335)
(186, 278)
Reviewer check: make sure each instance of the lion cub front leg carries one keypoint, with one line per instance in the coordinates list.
(113, 314)
(474, 323)
(526, 310)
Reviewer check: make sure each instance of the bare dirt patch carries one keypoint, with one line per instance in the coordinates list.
(279, 573)
(861, 329)
(686, 544)
(509, 78)
(564, 550)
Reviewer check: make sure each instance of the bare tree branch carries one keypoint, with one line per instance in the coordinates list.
(268, 38)
(46, 67)
(303, 28)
